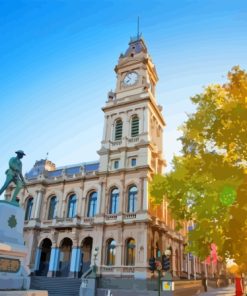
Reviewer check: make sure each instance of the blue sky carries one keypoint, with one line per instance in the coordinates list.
(57, 59)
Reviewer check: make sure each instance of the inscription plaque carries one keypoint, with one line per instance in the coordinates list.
(9, 265)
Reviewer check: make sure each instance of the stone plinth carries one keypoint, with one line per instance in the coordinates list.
(13, 273)
(24, 293)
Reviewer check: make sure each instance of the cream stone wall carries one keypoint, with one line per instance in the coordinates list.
(151, 228)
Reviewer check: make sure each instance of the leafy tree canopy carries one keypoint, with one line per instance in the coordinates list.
(207, 184)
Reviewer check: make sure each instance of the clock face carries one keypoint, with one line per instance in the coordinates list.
(130, 78)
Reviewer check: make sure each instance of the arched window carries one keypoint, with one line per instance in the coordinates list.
(111, 252)
(134, 126)
(114, 201)
(29, 209)
(118, 129)
(92, 204)
(71, 206)
(132, 199)
(130, 251)
(52, 208)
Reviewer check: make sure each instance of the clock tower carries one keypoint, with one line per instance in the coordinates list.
(73, 210)
(133, 128)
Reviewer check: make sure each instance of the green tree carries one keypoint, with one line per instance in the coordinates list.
(207, 183)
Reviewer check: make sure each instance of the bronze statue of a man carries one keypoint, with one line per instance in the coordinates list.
(14, 174)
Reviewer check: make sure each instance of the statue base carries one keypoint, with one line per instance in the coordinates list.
(24, 293)
(13, 272)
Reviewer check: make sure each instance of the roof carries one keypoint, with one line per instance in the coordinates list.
(69, 170)
(136, 45)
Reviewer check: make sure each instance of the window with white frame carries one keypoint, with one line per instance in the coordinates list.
(52, 208)
(29, 208)
(132, 199)
(133, 162)
(114, 199)
(92, 204)
(71, 212)
(115, 164)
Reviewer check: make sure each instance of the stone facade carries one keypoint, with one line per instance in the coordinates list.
(73, 209)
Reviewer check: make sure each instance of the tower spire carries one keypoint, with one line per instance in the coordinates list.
(138, 26)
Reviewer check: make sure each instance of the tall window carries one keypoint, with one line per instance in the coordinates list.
(132, 199)
(130, 251)
(92, 204)
(52, 208)
(158, 254)
(118, 129)
(72, 206)
(114, 201)
(111, 252)
(134, 126)
(29, 209)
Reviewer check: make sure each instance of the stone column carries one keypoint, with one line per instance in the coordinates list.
(79, 211)
(146, 128)
(205, 269)
(75, 262)
(140, 194)
(118, 255)
(126, 125)
(188, 266)
(124, 201)
(104, 194)
(63, 212)
(145, 194)
(83, 207)
(121, 195)
(37, 204)
(54, 262)
(194, 267)
(59, 205)
(37, 259)
(105, 129)
(44, 210)
(99, 199)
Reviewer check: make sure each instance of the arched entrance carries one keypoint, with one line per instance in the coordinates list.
(44, 257)
(65, 257)
(86, 254)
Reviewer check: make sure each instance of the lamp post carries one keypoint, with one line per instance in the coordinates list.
(167, 284)
(165, 265)
(159, 269)
(94, 267)
(168, 252)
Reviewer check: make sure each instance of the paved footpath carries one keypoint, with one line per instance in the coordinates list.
(227, 291)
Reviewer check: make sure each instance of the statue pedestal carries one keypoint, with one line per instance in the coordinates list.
(13, 272)
(24, 293)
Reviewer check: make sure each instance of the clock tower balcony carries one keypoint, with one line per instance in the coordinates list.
(129, 142)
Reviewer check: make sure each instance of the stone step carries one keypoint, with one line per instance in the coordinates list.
(56, 286)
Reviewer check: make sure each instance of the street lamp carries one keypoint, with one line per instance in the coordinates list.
(94, 267)
(95, 254)
(167, 283)
(168, 252)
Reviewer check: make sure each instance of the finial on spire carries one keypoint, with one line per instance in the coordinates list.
(138, 35)
(47, 153)
(138, 26)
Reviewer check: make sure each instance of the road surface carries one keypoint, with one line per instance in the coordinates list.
(227, 291)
